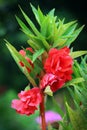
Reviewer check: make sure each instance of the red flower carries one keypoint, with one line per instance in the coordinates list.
(23, 53)
(51, 80)
(30, 49)
(28, 101)
(59, 63)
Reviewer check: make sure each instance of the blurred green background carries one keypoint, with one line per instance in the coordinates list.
(11, 79)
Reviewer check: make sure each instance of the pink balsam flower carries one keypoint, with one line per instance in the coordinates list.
(28, 101)
(50, 117)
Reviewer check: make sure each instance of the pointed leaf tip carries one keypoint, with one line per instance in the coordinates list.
(77, 53)
(48, 91)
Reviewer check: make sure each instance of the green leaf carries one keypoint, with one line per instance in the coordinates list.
(68, 28)
(77, 53)
(33, 45)
(67, 25)
(60, 42)
(35, 13)
(74, 97)
(24, 27)
(78, 119)
(38, 14)
(30, 23)
(30, 34)
(27, 88)
(60, 30)
(46, 45)
(73, 36)
(78, 94)
(37, 41)
(69, 31)
(34, 29)
(74, 81)
(37, 54)
(51, 13)
(82, 73)
(48, 91)
(37, 33)
(17, 57)
(63, 33)
(37, 69)
(41, 16)
(44, 26)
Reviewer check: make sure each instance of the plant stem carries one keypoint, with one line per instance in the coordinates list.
(42, 113)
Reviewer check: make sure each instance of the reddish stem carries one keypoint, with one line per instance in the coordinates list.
(42, 113)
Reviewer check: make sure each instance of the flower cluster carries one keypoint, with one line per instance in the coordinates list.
(58, 68)
(28, 101)
(48, 65)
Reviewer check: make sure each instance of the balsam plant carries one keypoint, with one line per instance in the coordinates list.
(49, 65)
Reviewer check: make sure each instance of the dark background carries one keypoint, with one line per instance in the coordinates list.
(11, 79)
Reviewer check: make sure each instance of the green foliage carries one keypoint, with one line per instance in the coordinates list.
(74, 81)
(23, 26)
(37, 34)
(73, 36)
(55, 31)
(77, 54)
(27, 88)
(37, 54)
(78, 119)
(52, 32)
(17, 57)
(48, 91)
(76, 115)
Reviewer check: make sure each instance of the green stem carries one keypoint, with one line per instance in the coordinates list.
(42, 113)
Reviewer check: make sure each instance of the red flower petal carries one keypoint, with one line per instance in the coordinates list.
(28, 102)
(59, 63)
(51, 80)
(22, 52)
